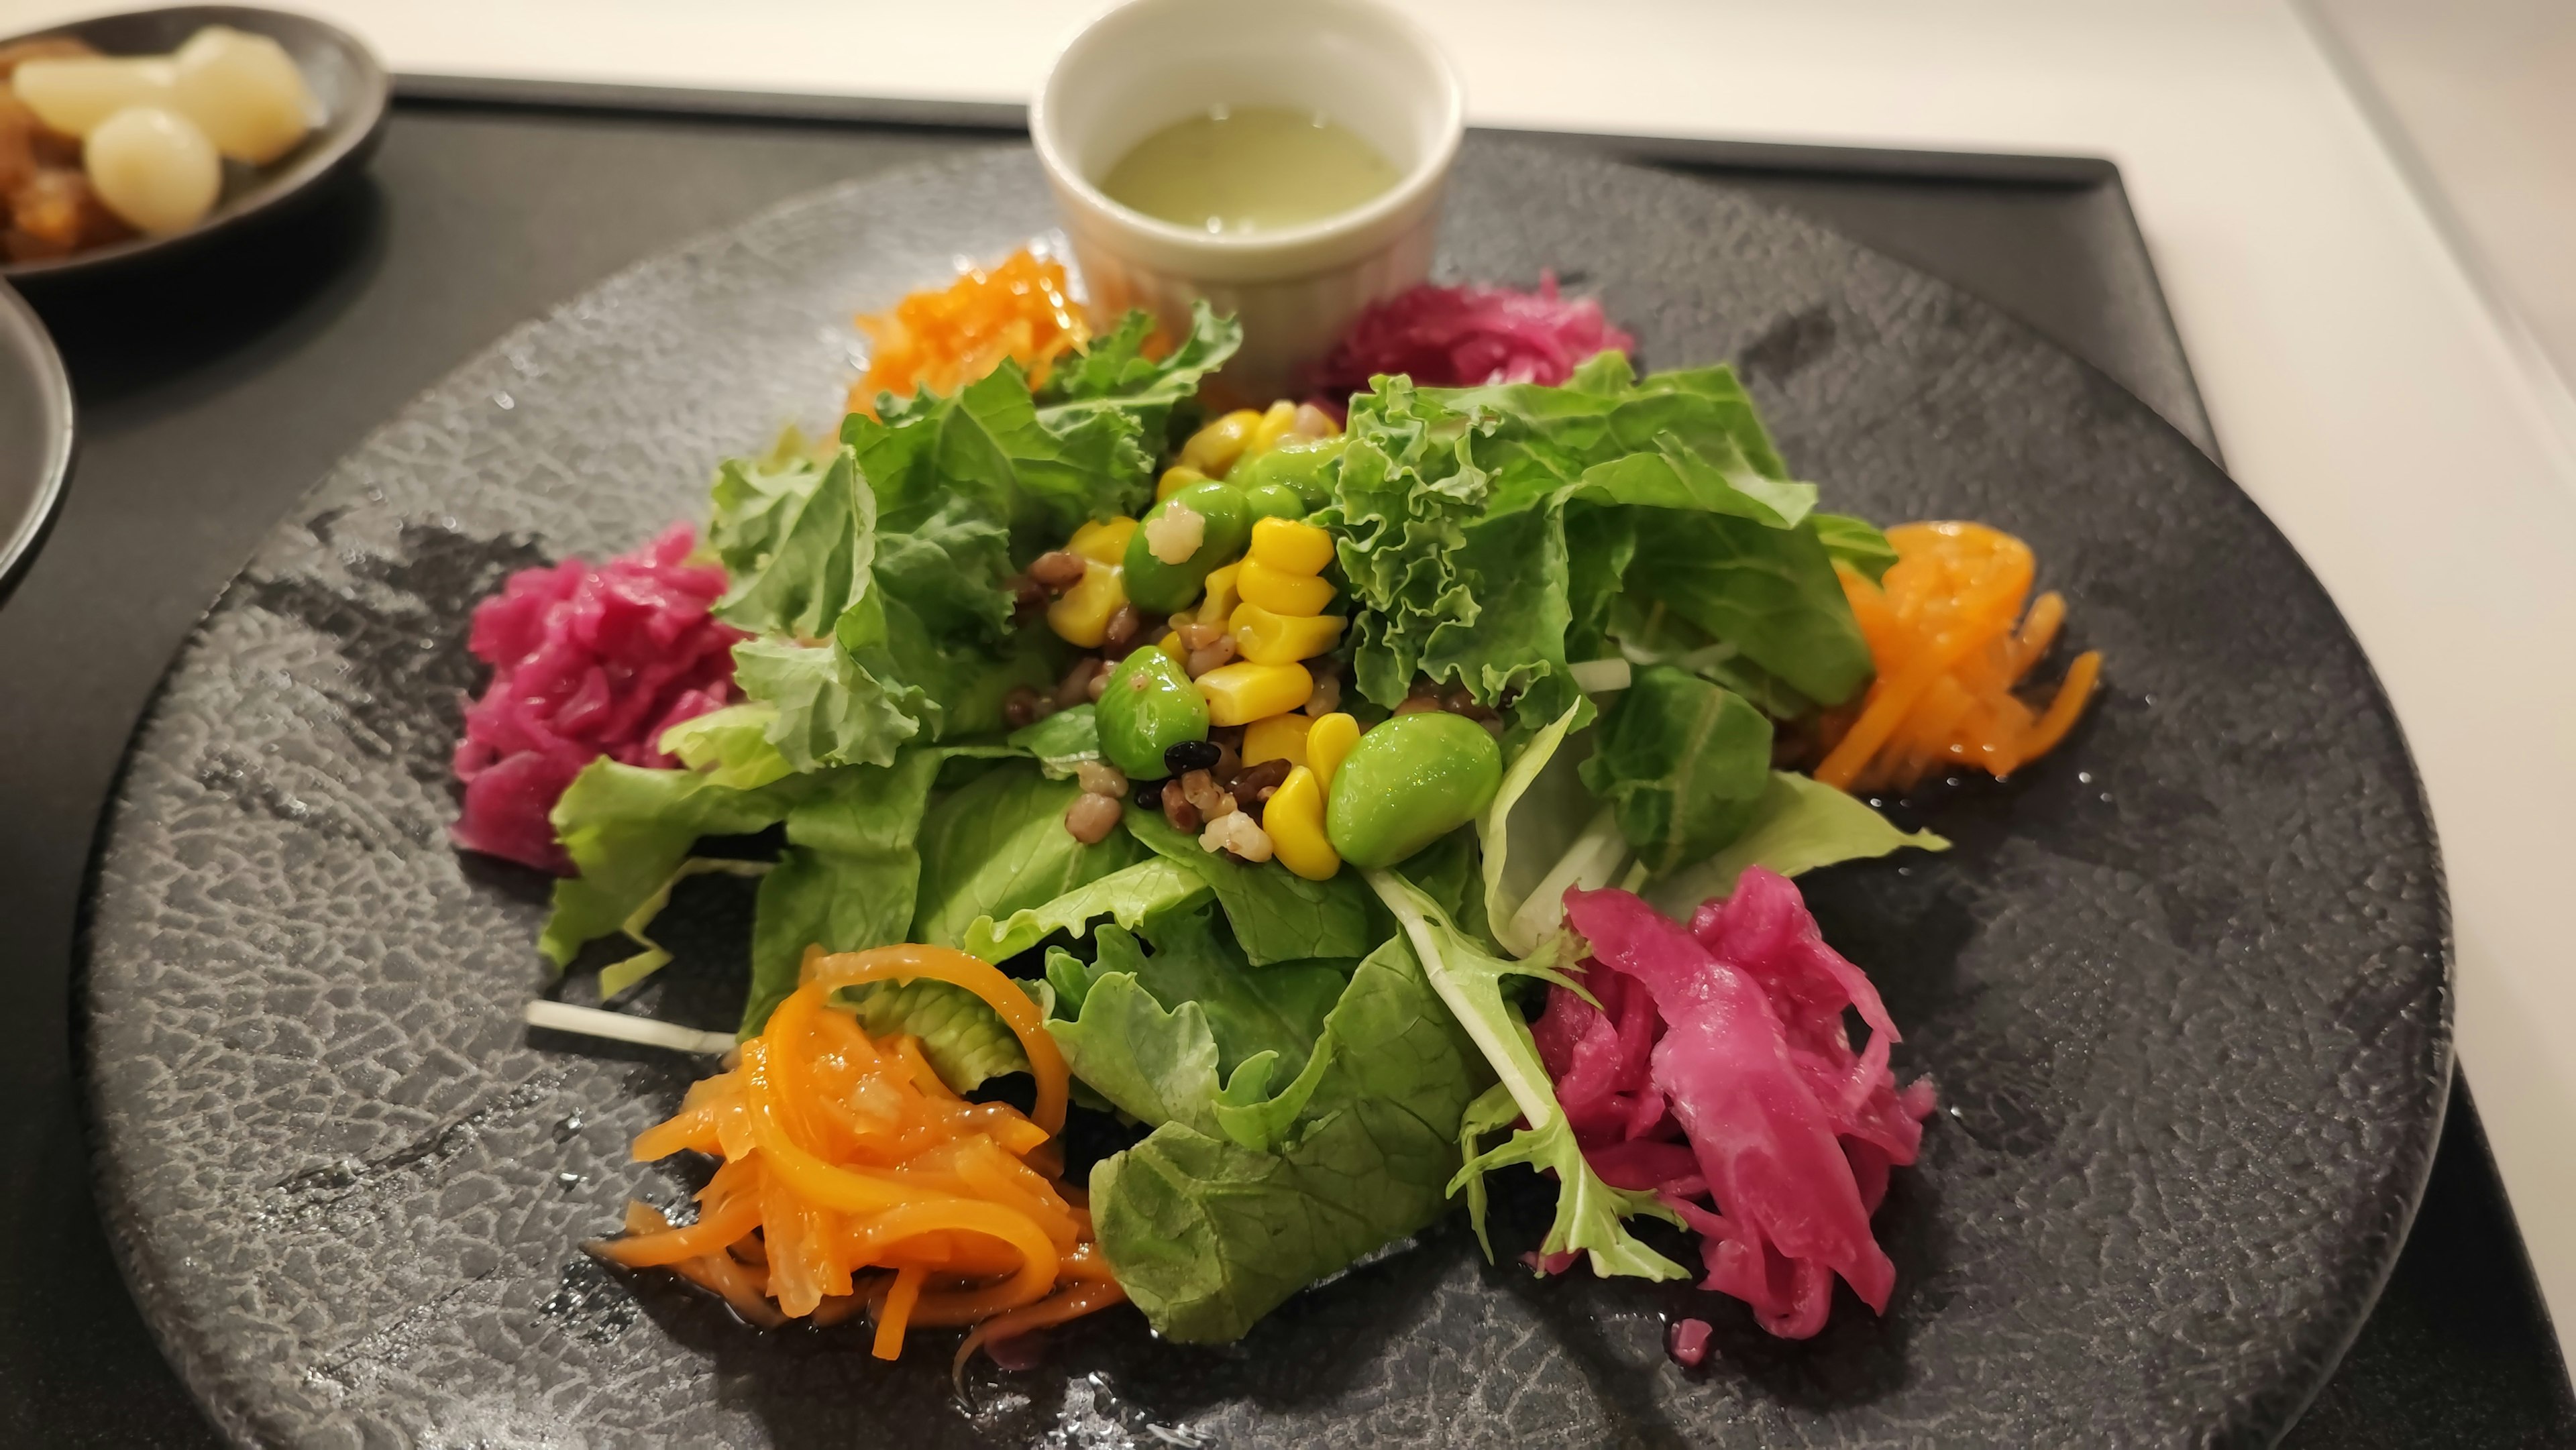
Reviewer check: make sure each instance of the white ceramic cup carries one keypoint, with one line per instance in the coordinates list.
(1148, 64)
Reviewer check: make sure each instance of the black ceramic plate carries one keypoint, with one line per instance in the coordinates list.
(343, 74)
(2183, 985)
(35, 436)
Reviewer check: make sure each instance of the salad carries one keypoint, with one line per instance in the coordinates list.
(1332, 802)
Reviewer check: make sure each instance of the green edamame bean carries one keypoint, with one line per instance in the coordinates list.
(1409, 782)
(1147, 707)
(1308, 468)
(1226, 524)
(1275, 501)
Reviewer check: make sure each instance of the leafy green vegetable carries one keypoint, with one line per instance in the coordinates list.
(988, 452)
(628, 829)
(1799, 825)
(1155, 1064)
(1208, 1235)
(1062, 741)
(1126, 897)
(1857, 543)
(1494, 837)
(1277, 915)
(618, 976)
(1770, 593)
(1589, 1213)
(846, 878)
(965, 1040)
(729, 746)
(1278, 1010)
(825, 707)
(1489, 534)
(998, 845)
(1115, 372)
(1682, 763)
(797, 542)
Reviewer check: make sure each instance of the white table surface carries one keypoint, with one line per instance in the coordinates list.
(2400, 430)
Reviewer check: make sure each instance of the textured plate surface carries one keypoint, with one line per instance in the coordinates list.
(2183, 986)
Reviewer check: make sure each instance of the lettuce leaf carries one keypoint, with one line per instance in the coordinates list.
(998, 845)
(1770, 594)
(1856, 542)
(845, 879)
(628, 830)
(1116, 373)
(730, 746)
(1127, 897)
(1207, 1234)
(1276, 915)
(1062, 741)
(965, 1040)
(1798, 825)
(1590, 1215)
(1489, 535)
(1681, 764)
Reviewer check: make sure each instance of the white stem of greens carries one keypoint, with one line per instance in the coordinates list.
(1493, 831)
(1590, 863)
(1485, 1022)
(619, 1027)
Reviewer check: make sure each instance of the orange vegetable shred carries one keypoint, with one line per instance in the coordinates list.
(1948, 632)
(854, 1180)
(942, 340)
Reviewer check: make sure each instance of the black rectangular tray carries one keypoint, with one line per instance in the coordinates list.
(211, 400)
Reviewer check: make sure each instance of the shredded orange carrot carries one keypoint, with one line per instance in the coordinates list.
(1948, 632)
(847, 1157)
(944, 338)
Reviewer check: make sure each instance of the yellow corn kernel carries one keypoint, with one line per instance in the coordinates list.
(1102, 542)
(1240, 693)
(1291, 547)
(1294, 819)
(1277, 639)
(1281, 737)
(1297, 595)
(1081, 615)
(1219, 601)
(1170, 644)
(1213, 449)
(1273, 428)
(1175, 478)
(1327, 741)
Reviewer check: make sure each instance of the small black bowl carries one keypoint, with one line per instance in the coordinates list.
(35, 436)
(345, 78)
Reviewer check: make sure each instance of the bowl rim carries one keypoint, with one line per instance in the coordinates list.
(342, 137)
(26, 535)
(1424, 180)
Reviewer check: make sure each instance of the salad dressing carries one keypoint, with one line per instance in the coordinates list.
(1240, 170)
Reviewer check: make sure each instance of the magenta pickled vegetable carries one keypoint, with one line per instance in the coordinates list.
(1717, 1072)
(585, 662)
(1455, 337)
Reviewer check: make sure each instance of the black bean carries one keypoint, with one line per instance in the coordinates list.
(1192, 755)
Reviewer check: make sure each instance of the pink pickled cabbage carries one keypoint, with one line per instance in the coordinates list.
(1455, 337)
(585, 662)
(1687, 1342)
(1717, 1068)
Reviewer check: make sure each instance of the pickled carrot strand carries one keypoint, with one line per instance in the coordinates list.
(1087, 1297)
(2062, 711)
(898, 1308)
(2038, 632)
(714, 1229)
